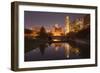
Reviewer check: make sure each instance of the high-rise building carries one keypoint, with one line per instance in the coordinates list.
(67, 25)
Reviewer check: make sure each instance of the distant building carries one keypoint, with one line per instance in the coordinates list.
(75, 26)
(57, 30)
(32, 32)
(78, 24)
(87, 20)
(67, 25)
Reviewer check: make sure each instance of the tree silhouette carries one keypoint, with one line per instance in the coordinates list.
(42, 34)
(42, 48)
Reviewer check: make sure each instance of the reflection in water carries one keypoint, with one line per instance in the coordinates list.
(42, 48)
(68, 49)
(56, 40)
(57, 51)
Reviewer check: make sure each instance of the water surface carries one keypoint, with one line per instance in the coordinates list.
(58, 51)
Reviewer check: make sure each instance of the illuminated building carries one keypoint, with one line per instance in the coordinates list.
(67, 25)
(77, 25)
(32, 32)
(57, 30)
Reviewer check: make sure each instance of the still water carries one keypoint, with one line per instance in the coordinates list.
(58, 51)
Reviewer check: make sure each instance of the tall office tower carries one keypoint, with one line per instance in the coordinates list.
(67, 25)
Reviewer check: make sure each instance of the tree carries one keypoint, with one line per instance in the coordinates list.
(42, 33)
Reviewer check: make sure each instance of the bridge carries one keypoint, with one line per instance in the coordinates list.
(59, 38)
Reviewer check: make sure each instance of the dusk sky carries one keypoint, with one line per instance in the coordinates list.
(47, 19)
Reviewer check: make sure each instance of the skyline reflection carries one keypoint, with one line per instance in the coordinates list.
(56, 51)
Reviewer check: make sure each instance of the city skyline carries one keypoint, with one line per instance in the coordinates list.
(62, 34)
(48, 19)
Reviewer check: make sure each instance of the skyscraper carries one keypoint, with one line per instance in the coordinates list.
(67, 25)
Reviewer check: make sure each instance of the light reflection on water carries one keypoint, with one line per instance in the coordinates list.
(57, 51)
(68, 49)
